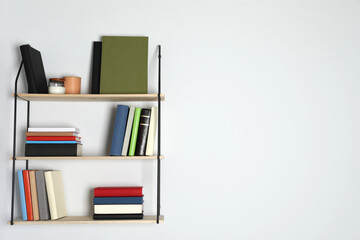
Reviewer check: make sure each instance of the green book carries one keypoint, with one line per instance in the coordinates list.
(124, 65)
(134, 131)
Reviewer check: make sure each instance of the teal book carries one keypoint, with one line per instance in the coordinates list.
(134, 132)
(124, 65)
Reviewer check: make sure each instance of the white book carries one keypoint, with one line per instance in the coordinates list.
(55, 194)
(53, 130)
(152, 132)
(128, 131)
(118, 208)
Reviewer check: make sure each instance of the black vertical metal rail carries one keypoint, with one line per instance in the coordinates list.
(27, 128)
(14, 146)
(159, 139)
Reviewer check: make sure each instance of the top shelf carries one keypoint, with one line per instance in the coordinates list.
(90, 97)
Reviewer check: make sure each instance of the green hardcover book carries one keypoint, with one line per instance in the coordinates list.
(124, 65)
(134, 131)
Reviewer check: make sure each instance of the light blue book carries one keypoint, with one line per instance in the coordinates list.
(52, 142)
(22, 195)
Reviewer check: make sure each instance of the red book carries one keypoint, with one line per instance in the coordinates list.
(29, 211)
(118, 192)
(53, 138)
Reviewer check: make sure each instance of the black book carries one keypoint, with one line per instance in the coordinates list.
(143, 132)
(96, 68)
(34, 69)
(117, 216)
(37, 150)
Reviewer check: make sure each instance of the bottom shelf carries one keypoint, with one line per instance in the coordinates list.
(89, 220)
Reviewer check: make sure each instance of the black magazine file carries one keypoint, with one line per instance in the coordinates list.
(34, 69)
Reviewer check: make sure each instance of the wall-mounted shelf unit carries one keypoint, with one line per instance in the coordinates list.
(89, 98)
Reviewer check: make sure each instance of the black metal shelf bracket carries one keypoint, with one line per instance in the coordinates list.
(159, 137)
(14, 146)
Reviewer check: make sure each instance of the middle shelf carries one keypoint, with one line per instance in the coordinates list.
(90, 158)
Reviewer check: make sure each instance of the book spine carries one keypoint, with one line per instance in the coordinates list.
(52, 142)
(118, 192)
(143, 132)
(42, 196)
(119, 130)
(75, 130)
(52, 138)
(53, 150)
(96, 68)
(134, 132)
(118, 209)
(22, 195)
(49, 183)
(129, 125)
(117, 216)
(118, 200)
(45, 134)
(29, 211)
(34, 199)
(152, 132)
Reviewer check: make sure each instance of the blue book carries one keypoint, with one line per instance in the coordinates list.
(22, 195)
(118, 200)
(52, 142)
(119, 130)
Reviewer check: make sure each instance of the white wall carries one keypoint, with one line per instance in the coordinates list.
(261, 123)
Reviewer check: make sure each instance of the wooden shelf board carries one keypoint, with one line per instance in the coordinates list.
(91, 158)
(90, 97)
(89, 220)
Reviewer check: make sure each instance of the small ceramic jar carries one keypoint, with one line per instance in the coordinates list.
(56, 86)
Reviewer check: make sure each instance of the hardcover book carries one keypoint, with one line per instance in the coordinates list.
(37, 150)
(118, 192)
(31, 129)
(28, 134)
(53, 138)
(29, 211)
(44, 213)
(34, 69)
(152, 132)
(117, 216)
(118, 208)
(119, 130)
(142, 132)
(124, 65)
(55, 192)
(22, 195)
(118, 200)
(96, 68)
(129, 125)
(34, 198)
(134, 132)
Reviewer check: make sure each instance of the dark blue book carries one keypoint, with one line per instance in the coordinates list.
(118, 200)
(119, 130)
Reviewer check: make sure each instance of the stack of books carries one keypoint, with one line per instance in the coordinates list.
(118, 203)
(41, 195)
(53, 142)
(134, 131)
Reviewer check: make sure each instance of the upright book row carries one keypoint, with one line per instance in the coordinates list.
(41, 195)
(134, 131)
